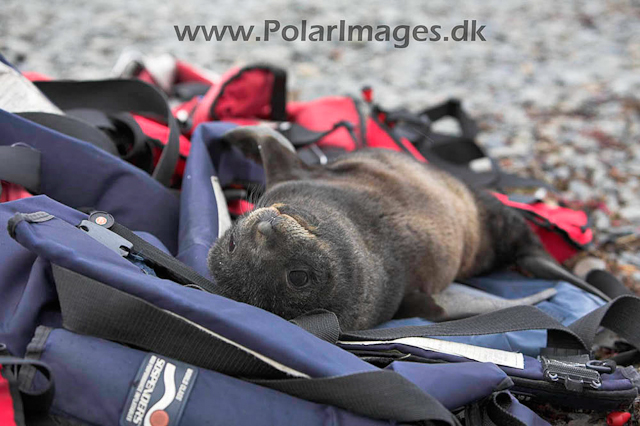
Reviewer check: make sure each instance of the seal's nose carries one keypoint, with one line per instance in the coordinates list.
(265, 227)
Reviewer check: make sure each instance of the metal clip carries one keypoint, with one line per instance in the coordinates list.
(110, 239)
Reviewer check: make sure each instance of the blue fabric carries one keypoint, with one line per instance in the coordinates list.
(198, 204)
(569, 304)
(473, 380)
(78, 174)
(95, 390)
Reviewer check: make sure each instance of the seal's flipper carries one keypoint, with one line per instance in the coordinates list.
(266, 146)
(545, 268)
(419, 304)
(460, 301)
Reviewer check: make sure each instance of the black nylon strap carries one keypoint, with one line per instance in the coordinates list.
(92, 308)
(72, 127)
(20, 165)
(517, 318)
(132, 96)
(496, 411)
(177, 270)
(453, 108)
(622, 316)
(607, 283)
(279, 94)
(321, 323)
(397, 399)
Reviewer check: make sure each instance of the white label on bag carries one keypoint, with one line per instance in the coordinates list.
(476, 353)
(224, 219)
(17, 94)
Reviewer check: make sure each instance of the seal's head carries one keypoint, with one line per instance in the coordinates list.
(284, 259)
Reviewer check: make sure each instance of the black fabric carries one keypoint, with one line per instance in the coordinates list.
(72, 127)
(92, 308)
(132, 96)
(20, 165)
(166, 263)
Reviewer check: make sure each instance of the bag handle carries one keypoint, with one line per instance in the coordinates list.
(133, 96)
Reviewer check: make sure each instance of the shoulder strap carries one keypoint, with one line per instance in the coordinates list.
(20, 164)
(121, 96)
(72, 127)
(622, 315)
(93, 308)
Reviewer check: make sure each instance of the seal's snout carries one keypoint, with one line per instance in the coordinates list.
(265, 227)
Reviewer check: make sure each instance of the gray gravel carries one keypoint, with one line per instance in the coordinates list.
(556, 86)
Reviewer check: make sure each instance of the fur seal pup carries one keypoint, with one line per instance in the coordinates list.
(370, 236)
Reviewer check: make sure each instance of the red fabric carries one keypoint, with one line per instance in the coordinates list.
(188, 73)
(377, 137)
(160, 132)
(35, 76)
(240, 93)
(561, 219)
(146, 77)
(7, 414)
(11, 192)
(320, 115)
(239, 207)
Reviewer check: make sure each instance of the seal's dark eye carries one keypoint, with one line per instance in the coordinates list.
(232, 244)
(298, 278)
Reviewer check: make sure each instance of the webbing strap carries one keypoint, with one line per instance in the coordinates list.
(93, 308)
(622, 315)
(496, 411)
(72, 127)
(279, 94)
(20, 165)
(516, 318)
(178, 271)
(133, 96)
